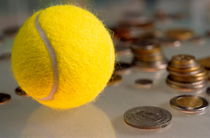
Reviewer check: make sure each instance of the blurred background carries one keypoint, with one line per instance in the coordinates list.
(14, 12)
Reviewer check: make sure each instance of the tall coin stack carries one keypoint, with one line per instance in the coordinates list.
(186, 74)
(148, 56)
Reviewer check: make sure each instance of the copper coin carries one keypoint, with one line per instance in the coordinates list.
(189, 103)
(180, 33)
(205, 62)
(4, 98)
(147, 117)
(11, 31)
(122, 68)
(5, 56)
(144, 83)
(197, 40)
(115, 79)
(20, 92)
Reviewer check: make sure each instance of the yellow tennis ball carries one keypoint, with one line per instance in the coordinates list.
(63, 56)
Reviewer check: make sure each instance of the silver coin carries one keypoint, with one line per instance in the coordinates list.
(189, 103)
(147, 117)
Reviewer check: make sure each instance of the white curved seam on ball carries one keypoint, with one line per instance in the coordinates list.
(52, 55)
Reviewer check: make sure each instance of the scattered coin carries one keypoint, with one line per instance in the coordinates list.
(5, 56)
(197, 39)
(189, 103)
(144, 83)
(122, 68)
(169, 42)
(20, 92)
(147, 117)
(180, 34)
(4, 98)
(115, 79)
(10, 31)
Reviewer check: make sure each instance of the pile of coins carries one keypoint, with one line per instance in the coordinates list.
(186, 74)
(148, 56)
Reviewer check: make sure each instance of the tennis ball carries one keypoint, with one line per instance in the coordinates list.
(63, 56)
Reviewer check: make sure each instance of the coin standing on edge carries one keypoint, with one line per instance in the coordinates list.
(143, 83)
(189, 103)
(147, 117)
(4, 98)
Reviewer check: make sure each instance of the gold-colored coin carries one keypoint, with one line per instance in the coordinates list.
(180, 34)
(186, 86)
(205, 62)
(189, 103)
(115, 79)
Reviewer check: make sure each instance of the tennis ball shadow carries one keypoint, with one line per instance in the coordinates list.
(84, 122)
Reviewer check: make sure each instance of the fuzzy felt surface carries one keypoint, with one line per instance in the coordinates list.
(84, 53)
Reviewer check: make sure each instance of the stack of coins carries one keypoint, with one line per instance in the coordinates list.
(148, 55)
(186, 74)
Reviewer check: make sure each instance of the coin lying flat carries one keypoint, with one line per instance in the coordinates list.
(180, 34)
(115, 79)
(4, 98)
(189, 103)
(5, 56)
(20, 92)
(144, 83)
(147, 117)
(10, 31)
(122, 68)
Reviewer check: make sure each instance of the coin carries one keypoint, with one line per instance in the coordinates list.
(10, 31)
(205, 62)
(20, 92)
(169, 42)
(180, 34)
(197, 40)
(186, 86)
(144, 83)
(122, 68)
(189, 103)
(5, 56)
(208, 91)
(4, 98)
(115, 79)
(147, 117)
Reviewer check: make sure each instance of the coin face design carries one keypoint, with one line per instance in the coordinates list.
(144, 83)
(189, 103)
(147, 117)
(4, 98)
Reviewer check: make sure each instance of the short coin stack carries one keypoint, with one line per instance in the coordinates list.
(186, 74)
(148, 56)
